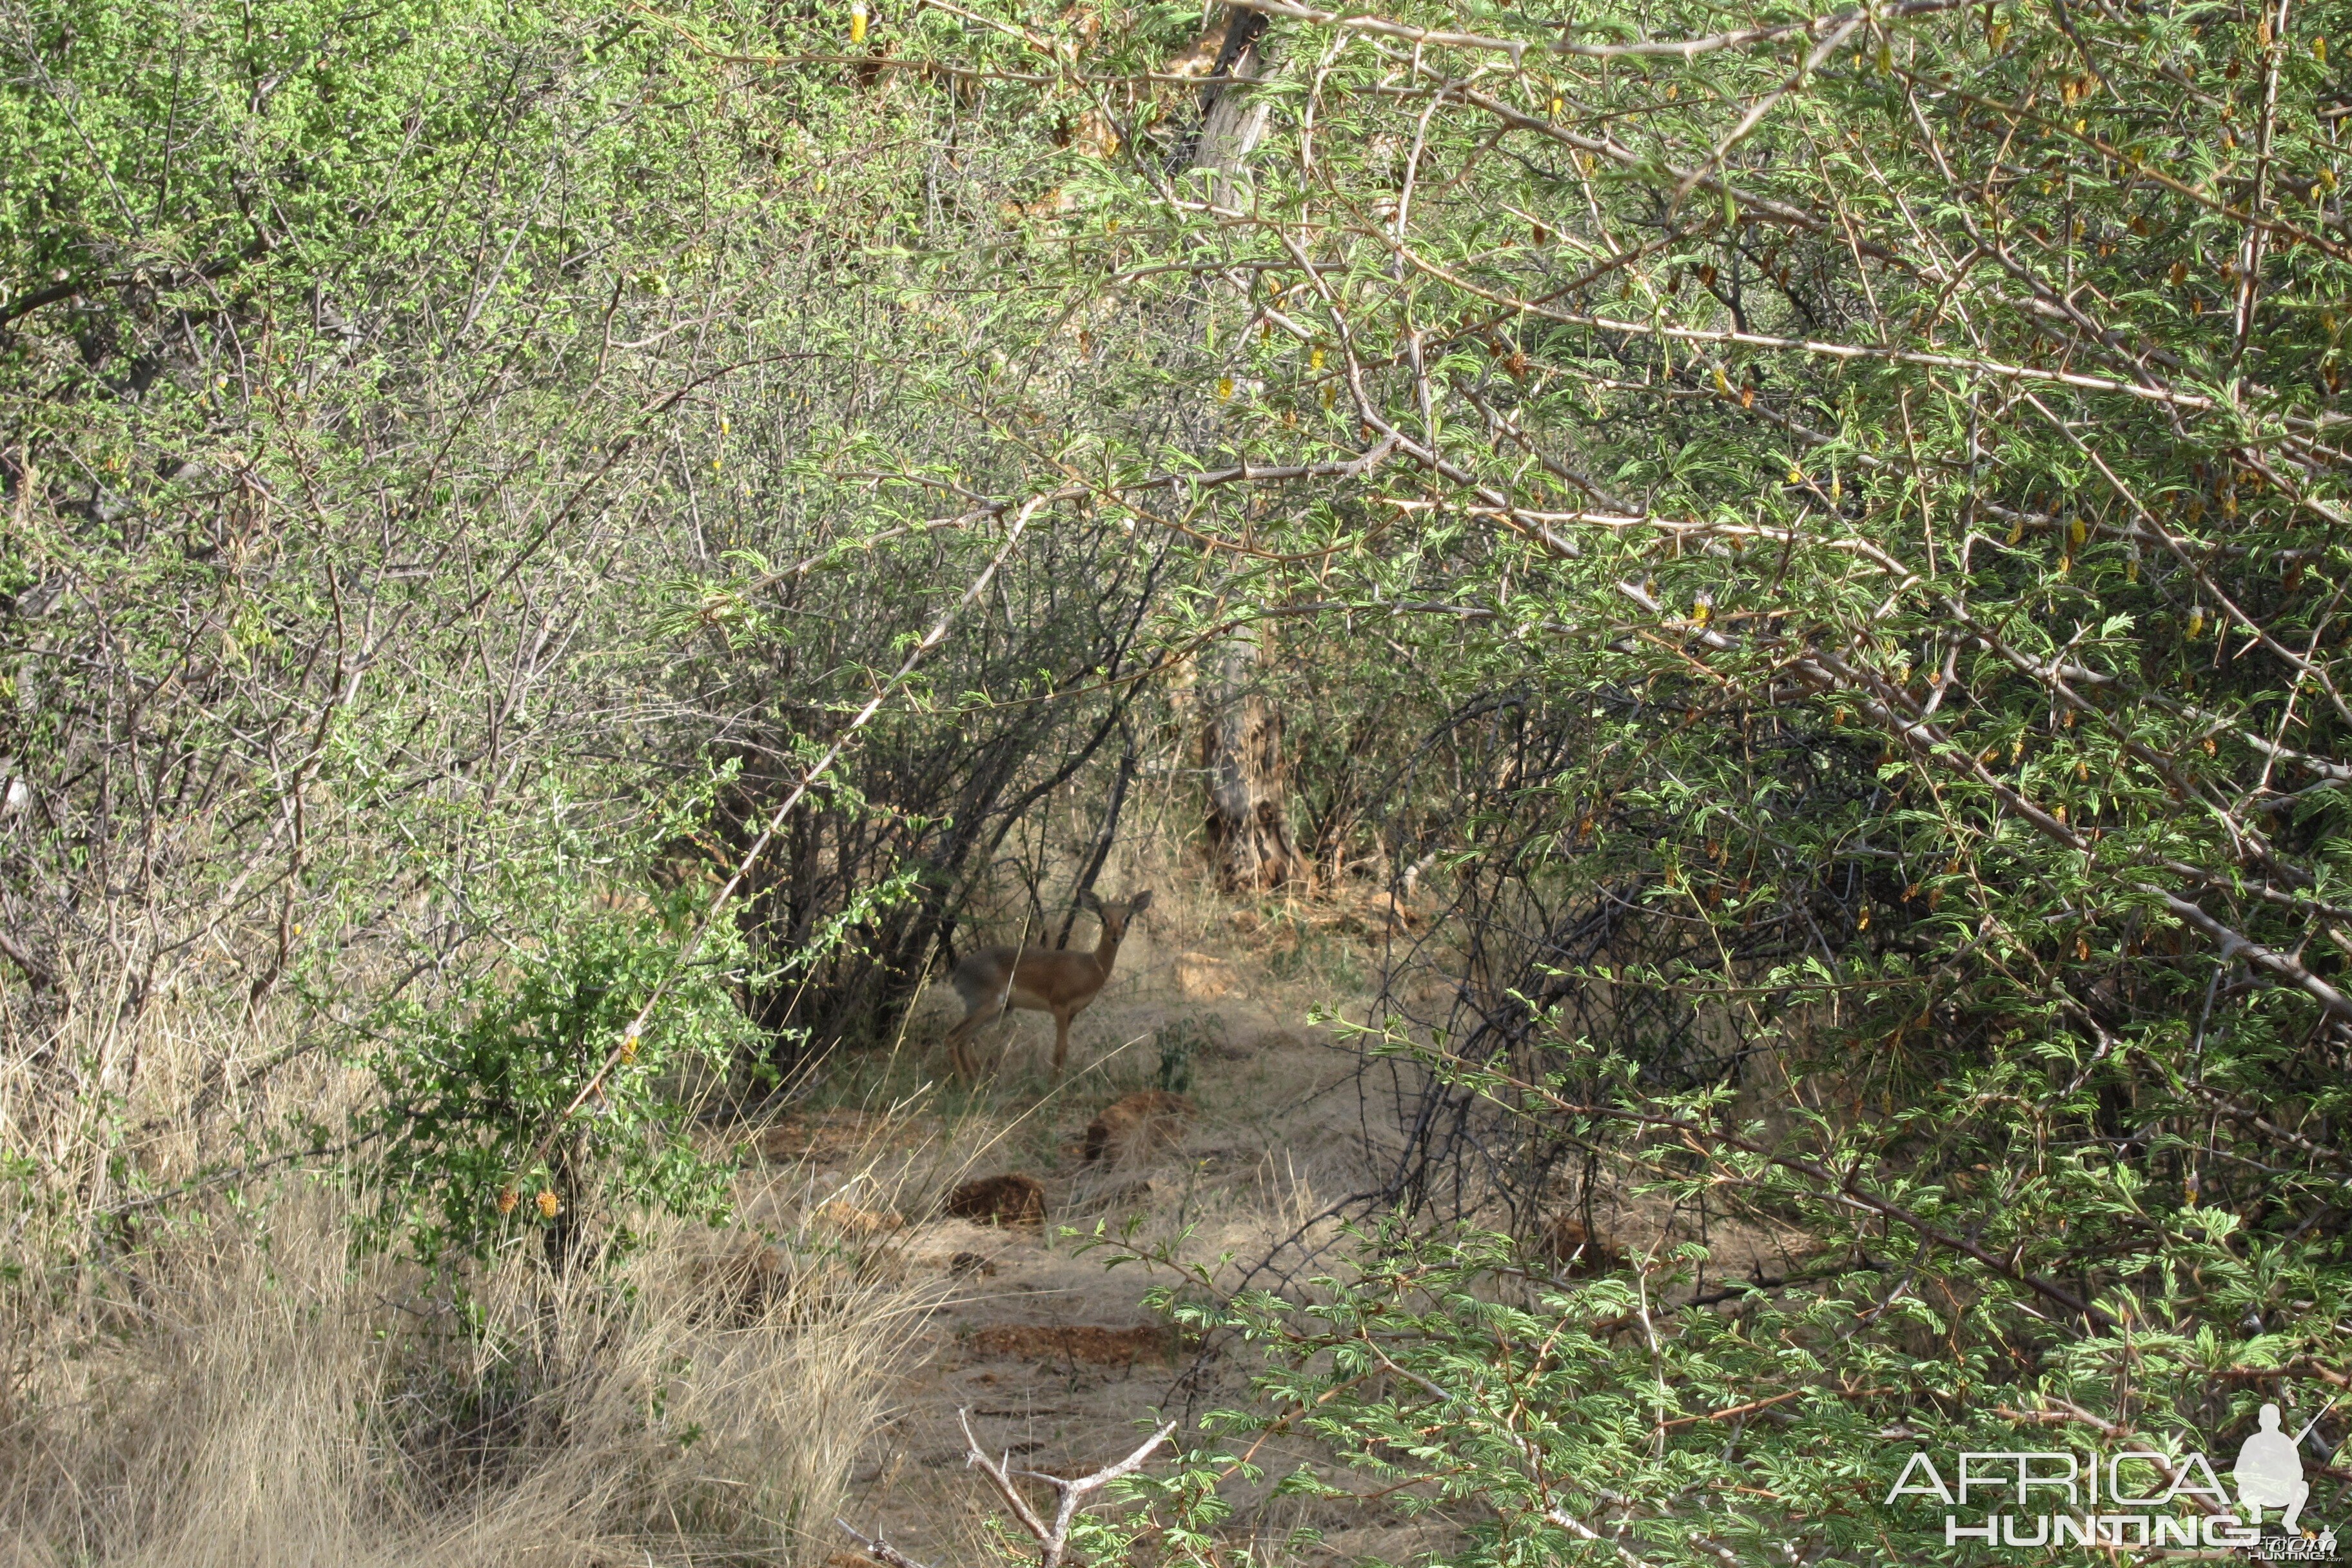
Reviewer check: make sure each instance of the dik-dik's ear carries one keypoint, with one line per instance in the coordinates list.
(1141, 902)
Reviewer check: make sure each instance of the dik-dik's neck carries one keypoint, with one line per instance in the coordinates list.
(1105, 952)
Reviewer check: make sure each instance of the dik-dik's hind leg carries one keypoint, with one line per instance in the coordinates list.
(960, 1059)
(1061, 1041)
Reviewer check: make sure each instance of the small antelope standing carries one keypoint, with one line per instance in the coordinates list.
(1038, 980)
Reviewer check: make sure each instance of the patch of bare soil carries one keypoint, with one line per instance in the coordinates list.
(1052, 1355)
(1088, 1343)
(831, 1137)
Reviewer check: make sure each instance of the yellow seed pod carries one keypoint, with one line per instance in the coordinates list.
(2131, 569)
(856, 21)
(1795, 476)
(1861, 920)
(1836, 491)
(1225, 387)
(1555, 114)
(550, 1205)
(2077, 532)
(629, 1046)
(2319, 50)
(1722, 382)
(507, 1199)
(1315, 359)
(1330, 395)
(1702, 610)
(2196, 621)
(2016, 530)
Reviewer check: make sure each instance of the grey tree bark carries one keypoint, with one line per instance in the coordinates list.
(1248, 825)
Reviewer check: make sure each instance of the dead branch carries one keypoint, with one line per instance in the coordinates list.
(879, 1549)
(1070, 1494)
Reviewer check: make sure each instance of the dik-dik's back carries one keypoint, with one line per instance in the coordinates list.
(1038, 980)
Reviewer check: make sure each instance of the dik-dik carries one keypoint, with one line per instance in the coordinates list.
(1038, 980)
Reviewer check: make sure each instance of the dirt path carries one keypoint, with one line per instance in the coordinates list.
(1054, 1355)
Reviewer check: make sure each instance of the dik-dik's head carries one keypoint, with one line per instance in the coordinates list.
(1115, 916)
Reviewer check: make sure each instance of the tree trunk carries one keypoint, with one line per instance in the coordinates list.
(1241, 748)
(1240, 731)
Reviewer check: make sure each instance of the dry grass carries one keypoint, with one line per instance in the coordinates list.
(217, 1380)
(223, 1382)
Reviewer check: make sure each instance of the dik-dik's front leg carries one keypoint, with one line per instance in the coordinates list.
(1061, 1040)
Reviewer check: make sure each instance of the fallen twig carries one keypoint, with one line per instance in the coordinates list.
(1052, 1540)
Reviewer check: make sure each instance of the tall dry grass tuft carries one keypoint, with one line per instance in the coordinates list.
(227, 1384)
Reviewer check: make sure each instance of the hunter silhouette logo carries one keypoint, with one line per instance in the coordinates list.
(2133, 1498)
(2270, 1471)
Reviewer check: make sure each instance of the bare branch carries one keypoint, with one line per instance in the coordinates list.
(1070, 1493)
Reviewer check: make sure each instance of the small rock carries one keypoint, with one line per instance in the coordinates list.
(1150, 1119)
(964, 1263)
(1009, 1199)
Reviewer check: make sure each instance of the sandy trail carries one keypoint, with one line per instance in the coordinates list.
(1054, 1354)
(1056, 1357)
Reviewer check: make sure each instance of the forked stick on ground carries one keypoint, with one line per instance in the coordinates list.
(1070, 1494)
(1038, 980)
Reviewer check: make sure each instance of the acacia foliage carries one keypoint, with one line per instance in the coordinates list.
(461, 466)
(1863, 493)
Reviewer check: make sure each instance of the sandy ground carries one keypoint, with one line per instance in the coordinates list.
(1056, 1357)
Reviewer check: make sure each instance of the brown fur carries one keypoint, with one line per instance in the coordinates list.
(1061, 982)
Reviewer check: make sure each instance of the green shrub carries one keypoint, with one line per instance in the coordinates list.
(528, 1106)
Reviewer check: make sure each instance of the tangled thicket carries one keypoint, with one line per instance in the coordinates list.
(1820, 536)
